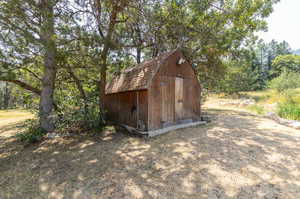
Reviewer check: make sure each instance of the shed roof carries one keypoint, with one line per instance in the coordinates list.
(138, 77)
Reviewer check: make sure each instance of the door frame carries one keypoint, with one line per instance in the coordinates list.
(179, 96)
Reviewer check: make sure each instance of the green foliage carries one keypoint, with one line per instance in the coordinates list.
(290, 107)
(236, 80)
(288, 103)
(32, 134)
(285, 62)
(86, 40)
(80, 119)
(287, 80)
(239, 75)
(248, 68)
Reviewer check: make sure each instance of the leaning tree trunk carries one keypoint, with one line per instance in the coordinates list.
(103, 61)
(102, 91)
(48, 81)
(117, 7)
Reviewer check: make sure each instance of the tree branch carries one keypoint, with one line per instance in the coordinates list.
(29, 88)
(23, 85)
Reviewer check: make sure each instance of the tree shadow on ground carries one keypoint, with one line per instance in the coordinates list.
(236, 156)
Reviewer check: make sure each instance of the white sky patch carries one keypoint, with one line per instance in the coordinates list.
(284, 23)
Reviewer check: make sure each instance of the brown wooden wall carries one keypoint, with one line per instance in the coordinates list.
(165, 81)
(156, 106)
(122, 107)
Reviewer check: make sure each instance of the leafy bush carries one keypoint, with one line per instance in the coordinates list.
(285, 62)
(32, 134)
(289, 108)
(287, 80)
(80, 118)
(289, 111)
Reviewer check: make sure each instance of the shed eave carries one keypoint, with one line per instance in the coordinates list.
(132, 90)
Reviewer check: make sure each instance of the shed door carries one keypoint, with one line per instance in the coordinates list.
(178, 98)
(167, 97)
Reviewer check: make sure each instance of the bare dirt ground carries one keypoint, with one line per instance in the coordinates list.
(237, 155)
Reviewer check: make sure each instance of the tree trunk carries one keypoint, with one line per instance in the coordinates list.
(48, 81)
(6, 96)
(138, 55)
(103, 61)
(46, 99)
(102, 90)
(117, 7)
(139, 49)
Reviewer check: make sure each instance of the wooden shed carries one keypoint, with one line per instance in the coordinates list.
(157, 94)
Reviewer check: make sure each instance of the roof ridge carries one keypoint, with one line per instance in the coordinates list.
(137, 77)
(144, 63)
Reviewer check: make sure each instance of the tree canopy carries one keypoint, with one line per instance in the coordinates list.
(286, 62)
(64, 51)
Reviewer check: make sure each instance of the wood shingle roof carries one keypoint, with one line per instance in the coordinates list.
(138, 77)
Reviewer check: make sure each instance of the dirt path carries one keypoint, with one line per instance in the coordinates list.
(238, 155)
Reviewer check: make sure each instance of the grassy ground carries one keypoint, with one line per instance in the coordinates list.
(14, 114)
(264, 101)
(238, 155)
(10, 119)
(268, 96)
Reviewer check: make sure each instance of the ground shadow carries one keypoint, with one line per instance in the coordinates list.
(235, 156)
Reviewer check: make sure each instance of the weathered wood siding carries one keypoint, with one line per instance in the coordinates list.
(154, 106)
(191, 99)
(143, 107)
(162, 103)
(122, 107)
(167, 100)
(179, 108)
(157, 107)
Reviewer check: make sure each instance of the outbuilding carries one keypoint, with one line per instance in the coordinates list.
(156, 96)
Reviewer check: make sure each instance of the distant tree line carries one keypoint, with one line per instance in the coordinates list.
(255, 64)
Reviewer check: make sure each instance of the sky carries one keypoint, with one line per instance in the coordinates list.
(284, 23)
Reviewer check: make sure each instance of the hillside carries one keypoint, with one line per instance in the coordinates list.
(296, 52)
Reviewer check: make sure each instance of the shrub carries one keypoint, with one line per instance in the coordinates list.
(80, 119)
(290, 107)
(287, 80)
(32, 134)
(289, 111)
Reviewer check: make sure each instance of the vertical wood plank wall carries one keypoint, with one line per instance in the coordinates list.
(143, 107)
(167, 100)
(122, 107)
(157, 104)
(191, 93)
(154, 106)
(179, 109)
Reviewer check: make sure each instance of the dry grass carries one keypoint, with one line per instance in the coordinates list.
(10, 119)
(5, 114)
(269, 96)
(238, 155)
(265, 100)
